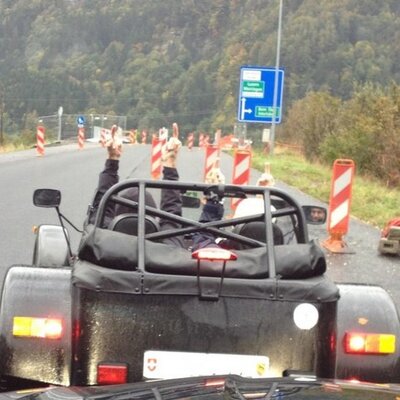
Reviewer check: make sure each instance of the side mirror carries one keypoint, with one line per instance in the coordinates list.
(315, 215)
(46, 198)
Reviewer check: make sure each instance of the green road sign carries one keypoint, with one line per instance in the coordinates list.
(253, 89)
(263, 111)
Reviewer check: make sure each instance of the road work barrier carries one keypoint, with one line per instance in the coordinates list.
(201, 140)
(163, 136)
(212, 157)
(40, 140)
(190, 141)
(81, 138)
(241, 172)
(144, 137)
(156, 151)
(339, 206)
(103, 139)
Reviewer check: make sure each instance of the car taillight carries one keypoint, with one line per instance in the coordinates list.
(214, 254)
(369, 343)
(111, 374)
(47, 328)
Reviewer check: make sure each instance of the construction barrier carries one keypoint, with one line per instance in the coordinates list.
(241, 172)
(156, 158)
(103, 139)
(339, 206)
(81, 137)
(190, 141)
(40, 140)
(201, 140)
(212, 157)
(144, 137)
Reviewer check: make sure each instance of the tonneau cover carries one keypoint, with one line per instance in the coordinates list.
(86, 275)
(119, 251)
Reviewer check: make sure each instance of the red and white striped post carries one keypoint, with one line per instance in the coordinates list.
(190, 141)
(241, 172)
(81, 137)
(40, 140)
(339, 206)
(144, 137)
(201, 140)
(212, 156)
(103, 137)
(156, 157)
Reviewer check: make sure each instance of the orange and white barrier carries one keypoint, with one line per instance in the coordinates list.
(40, 140)
(81, 138)
(241, 172)
(201, 140)
(190, 141)
(103, 138)
(144, 137)
(226, 142)
(156, 151)
(212, 157)
(339, 206)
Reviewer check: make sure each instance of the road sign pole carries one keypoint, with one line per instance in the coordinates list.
(60, 113)
(278, 52)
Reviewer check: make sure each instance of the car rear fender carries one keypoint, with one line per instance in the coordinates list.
(41, 293)
(366, 309)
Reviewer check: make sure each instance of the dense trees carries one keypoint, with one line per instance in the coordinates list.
(163, 60)
(364, 128)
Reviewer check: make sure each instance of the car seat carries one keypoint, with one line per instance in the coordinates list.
(256, 230)
(128, 223)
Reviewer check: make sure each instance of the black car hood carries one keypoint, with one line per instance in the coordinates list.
(217, 387)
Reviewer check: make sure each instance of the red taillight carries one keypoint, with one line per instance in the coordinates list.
(111, 374)
(46, 328)
(369, 343)
(214, 254)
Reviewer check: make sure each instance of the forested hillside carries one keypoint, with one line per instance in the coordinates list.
(158, 61)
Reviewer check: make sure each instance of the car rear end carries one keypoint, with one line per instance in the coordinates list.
(135, 326)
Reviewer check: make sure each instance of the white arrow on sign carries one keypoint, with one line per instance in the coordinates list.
(243, 108)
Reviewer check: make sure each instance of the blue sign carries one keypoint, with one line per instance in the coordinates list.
(256, 95)
(80, 120)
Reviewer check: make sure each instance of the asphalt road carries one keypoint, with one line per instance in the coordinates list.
(75, 173)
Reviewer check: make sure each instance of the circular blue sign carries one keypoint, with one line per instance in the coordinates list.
(81, 120)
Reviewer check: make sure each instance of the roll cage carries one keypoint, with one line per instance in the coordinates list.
(284, 204)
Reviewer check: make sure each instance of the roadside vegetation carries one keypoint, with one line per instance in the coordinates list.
(157, 62)
(372, 201)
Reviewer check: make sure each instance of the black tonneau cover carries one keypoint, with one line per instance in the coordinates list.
(108, 262)
(119, 251)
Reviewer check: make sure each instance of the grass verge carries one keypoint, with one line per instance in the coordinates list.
(372, 202)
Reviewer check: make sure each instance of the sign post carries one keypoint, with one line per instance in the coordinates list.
(81, 131)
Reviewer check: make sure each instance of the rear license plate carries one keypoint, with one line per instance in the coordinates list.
(175, 364)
